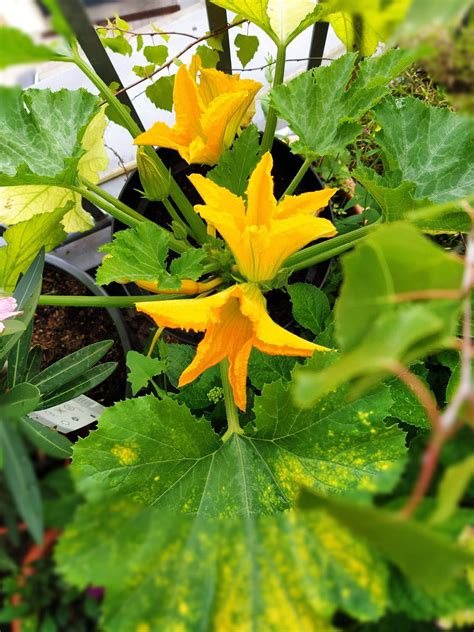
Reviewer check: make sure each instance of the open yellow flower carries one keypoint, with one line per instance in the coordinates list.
(208, 113)
(234, 320)
(263, 233)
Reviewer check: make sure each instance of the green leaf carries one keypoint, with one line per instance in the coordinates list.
(21, 480)
(189, 265)
(406, 405)
(160, 92)
(196, 394)
(310, 306)
(25, 240)
(71, 367)
(428, 558)
(452, 487)
(135, 254)
(238, 162)
(59, 22)
(26, 293)
(85, 382)
(392, 260)
(156, 54)
(285, 572)
(247, 46)
(324, 106)
(118, 44)
(142, 370)
(46, 439)
(16, 47)
(428, 158)
(266, 369)
(20, 400)
(185, 467)
(18, 358)
(144, 71)
(375, 331)
(209, 56)
(45, 148)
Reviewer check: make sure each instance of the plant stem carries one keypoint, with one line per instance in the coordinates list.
(174, 215)
(103, 301)
(154, 342)
(298, 177)
(232, 413)
(126, 120)
(112, 200)
(270, 126)
(326, 249)
(126, 215)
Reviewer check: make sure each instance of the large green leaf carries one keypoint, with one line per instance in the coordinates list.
(324, 106)
(16, 47)
(427, 557)
(47, 140)
(375, 331)
(428, 156)
(187, 573)
(183, 465)
(392, 260)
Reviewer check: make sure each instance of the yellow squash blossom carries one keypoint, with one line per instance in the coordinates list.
(208, 113)
(234, 320)
(263, 233)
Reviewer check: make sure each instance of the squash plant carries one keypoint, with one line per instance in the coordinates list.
(274, 477)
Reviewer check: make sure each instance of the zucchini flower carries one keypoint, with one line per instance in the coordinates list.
(208, 113)
(234, 320)
(263, 233)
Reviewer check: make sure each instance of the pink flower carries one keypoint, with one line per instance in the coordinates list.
(7, 310)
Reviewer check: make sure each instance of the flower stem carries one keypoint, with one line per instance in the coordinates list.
(125, 214)
(232, 413)
(154, 342)
(298, 177)
(325, 250)
(112, 200)
(102, 301)
(126, 120)
(270, 126)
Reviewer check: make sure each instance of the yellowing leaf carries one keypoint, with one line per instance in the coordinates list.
(363, 25)
(282, 20)
(95, 158)
(285, 17)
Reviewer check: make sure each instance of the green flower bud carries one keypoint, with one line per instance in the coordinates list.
(179, 230)
(156, 186)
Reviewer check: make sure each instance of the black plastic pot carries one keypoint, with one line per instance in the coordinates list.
(285, 167)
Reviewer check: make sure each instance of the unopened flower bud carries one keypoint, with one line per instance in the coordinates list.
(156, 185)
(179, 230)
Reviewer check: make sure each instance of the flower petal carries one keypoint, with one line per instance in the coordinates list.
(261, 203)
(307, 203)
(194, 313)
(218, 199)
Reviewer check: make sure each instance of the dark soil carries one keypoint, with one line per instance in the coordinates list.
(62, 330)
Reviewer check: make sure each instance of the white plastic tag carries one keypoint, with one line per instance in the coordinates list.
(70, 416)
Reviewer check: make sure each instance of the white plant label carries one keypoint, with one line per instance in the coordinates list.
(70, 416)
